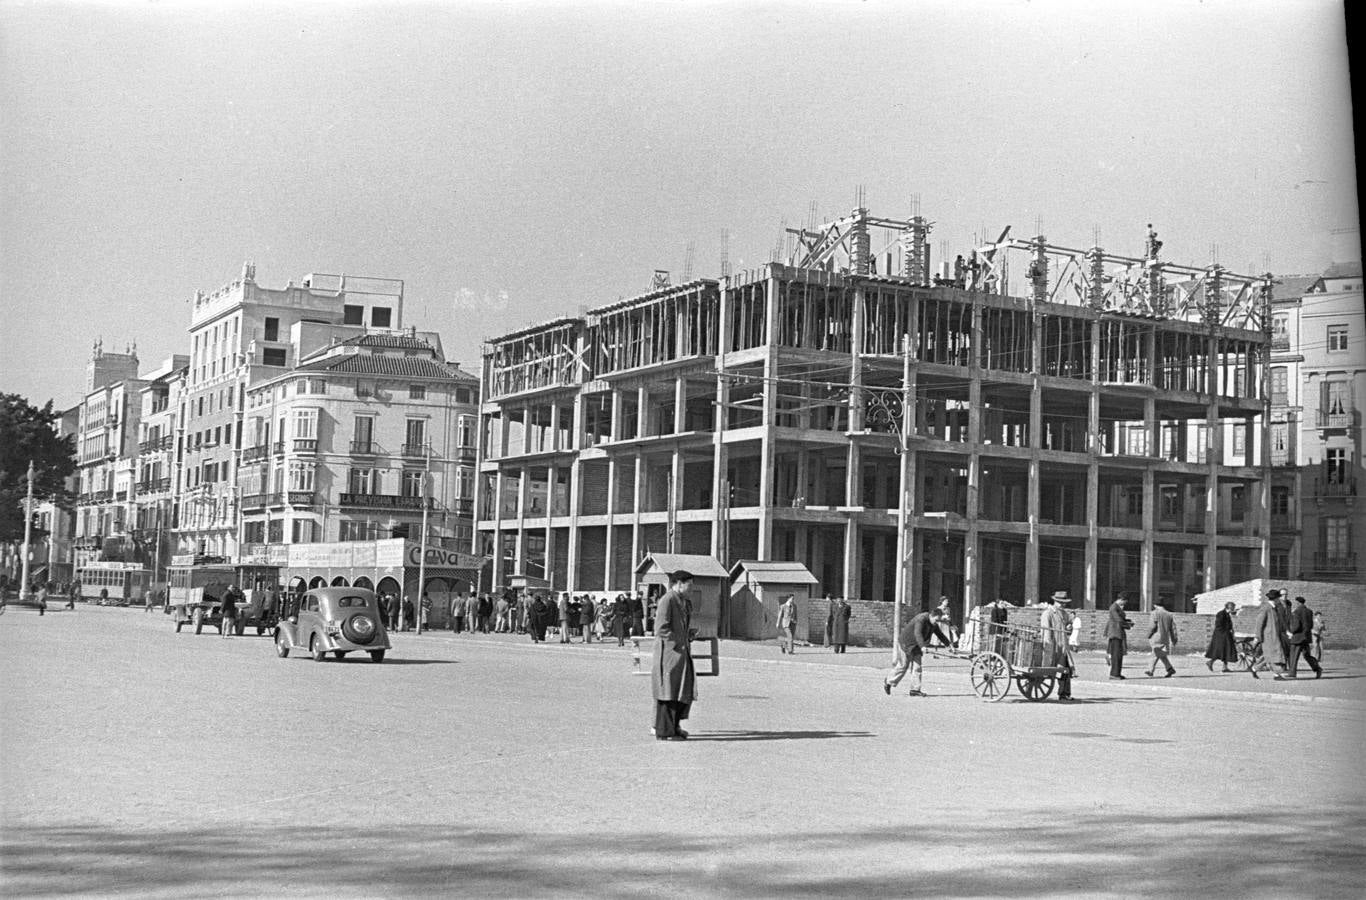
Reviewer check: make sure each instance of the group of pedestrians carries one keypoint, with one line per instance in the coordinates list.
(565, 616)
(1287, 633)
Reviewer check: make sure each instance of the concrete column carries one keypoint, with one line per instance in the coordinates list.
(575, 494)
(1213, 456)
(1035, 445)
(1147, 571)
(719, 458)
(680, 404)
(768, 443)
(642, 413)
(1089, 601)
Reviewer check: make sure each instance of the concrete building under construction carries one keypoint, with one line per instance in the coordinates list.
(1027, 418)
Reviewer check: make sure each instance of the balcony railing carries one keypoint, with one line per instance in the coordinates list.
(1334, 563)
(305, 445)
(364, 448)
(462, 506)
(417, 450)
(1335, 487)
(279, 448)
(1280, 457)
(380, 501)
(255, 501)
(1336, 419)
(255, 454)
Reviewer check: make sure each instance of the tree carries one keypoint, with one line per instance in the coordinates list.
(27, 433)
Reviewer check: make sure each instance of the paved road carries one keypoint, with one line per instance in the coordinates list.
(494, 768)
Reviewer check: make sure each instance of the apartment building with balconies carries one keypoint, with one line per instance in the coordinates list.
(1332, 351)
(240, 336)
(106, 448)
(157, 460)
(346, 445)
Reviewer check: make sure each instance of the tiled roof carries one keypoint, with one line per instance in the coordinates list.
(1292, 287)
(773, 572)
(390, 366)
(393, 341)
(1343, 270)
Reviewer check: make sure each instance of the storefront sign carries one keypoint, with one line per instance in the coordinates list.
(439, 557)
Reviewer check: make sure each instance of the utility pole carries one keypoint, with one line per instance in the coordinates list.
(422, 542)
(905, 537)
(24, 592)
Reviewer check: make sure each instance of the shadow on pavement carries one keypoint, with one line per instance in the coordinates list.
(777, 735)
(1231, 852)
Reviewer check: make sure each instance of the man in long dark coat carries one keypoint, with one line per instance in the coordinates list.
(837, 624)
(672, 675)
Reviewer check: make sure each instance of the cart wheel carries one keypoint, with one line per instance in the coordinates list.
(990, 677)
(1035, 687)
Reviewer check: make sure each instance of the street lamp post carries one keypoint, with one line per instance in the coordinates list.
(422, 541)
(24, 592)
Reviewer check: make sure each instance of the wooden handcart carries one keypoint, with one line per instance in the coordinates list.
(1002, 654)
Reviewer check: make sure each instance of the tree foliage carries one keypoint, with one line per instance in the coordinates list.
(27, 433)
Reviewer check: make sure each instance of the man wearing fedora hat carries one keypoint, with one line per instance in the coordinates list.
(1268, 632)
(1054, 621)
(672, 675)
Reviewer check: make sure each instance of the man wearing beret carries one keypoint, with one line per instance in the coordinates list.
(672, 675)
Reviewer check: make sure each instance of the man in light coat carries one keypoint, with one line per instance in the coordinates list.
(787, 625)
(1268, 631)
(1161, 638)
(1116, 636)
(672, 677)
(1053, 622)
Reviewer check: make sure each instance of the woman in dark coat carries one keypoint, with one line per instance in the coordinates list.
(1221, 643)
(539, 613)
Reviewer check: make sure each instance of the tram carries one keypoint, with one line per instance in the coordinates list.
(125, 582)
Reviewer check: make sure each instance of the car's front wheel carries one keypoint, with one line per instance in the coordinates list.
(377, 656)
(282, 645)
(315, 647)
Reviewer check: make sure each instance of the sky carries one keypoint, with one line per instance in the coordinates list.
(515, 162)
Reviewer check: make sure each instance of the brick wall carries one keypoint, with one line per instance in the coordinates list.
(1343, 606)
(870, 622)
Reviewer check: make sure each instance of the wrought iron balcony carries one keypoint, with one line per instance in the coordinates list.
(255, 501)
(415, 450)
(279, 448)
(1334, 563)
(379, 501)
(1280, 341)
(255, 454)
(1335, 420)
(1335, 487)
(364, 448)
